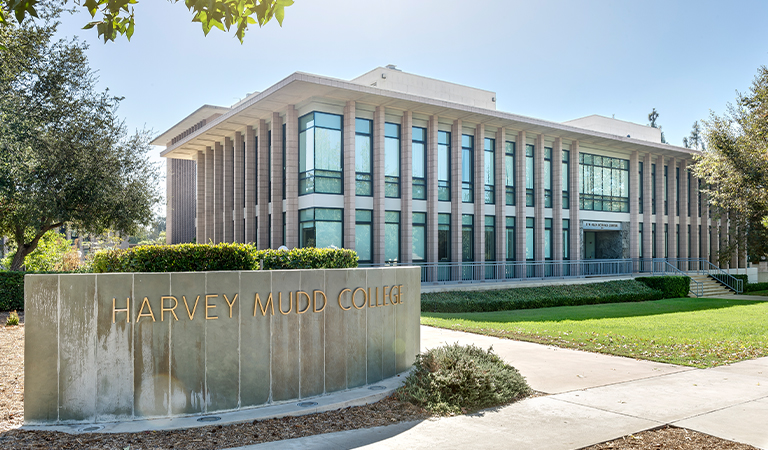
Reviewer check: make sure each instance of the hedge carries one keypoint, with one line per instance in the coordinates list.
(755, 287)
(670, 286)
(209, 257)
(539, 297)
(11, 291)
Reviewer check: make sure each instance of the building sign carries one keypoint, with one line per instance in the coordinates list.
(604, 226)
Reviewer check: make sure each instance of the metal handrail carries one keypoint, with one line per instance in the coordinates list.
(666, 265)
(703, 266)
(736, 284)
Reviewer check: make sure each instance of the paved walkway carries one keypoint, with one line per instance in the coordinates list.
(594, 398)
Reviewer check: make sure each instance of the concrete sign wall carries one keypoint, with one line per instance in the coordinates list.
(109, 347)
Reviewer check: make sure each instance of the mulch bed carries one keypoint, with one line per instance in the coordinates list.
(670, 438)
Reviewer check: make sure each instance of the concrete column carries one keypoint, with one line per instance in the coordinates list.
(520, 214)
(733, 240)
(693, 202)
(723, 240)
(292, 176)
(456, 204)
(432, 189)
(683, 218)
(276, 175)
(705, 235)
(349, 175)
(634, 206)
(200, 219)
(538, 193)
(406, 189)
(672, 207)
(239, 198)
(210, 195)
(378, 185)
(229, 190)
(250, 185)
(218, 187)
(557, 200)
(262, 192)
(659, 207)
(575, 229)
(647, 207)
(714, 237)
(169, 195)
(479, 183)
(500, 196)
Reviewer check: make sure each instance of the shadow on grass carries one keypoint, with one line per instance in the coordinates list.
(599, 311)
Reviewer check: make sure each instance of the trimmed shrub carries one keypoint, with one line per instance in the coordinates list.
(670, 286)
(538, 297)
(752, 287)
(456, 379)
(11, 291)
(307, 258)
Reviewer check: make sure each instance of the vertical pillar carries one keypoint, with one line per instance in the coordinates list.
(378, 185)
(573, 194)
(557, 200)
(276, 224)
(693, 204)
(520, 207)
(723, 240)
(200, 220)
(238, 212)
(210, 195)
(229, 190)
(733, 240)
(262, 180)
(432, 189)
(456, 201)
(349, 175)
(218, 187)
(250, 185)
(538, 194)
(660, 206)
(672, 218)
(714, 237)
(683, 218)
(500, 195)
(479, 197)
(705, 235)
(406, 190)
(169, 195)
(634, 205)
(292, 177)
(647, 208)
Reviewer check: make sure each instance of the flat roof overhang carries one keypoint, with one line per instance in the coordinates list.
(301, 87)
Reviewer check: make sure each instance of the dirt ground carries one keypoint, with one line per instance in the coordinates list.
(385, 412)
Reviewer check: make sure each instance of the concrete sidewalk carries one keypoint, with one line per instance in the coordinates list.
(594, 398)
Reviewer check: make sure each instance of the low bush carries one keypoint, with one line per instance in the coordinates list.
(456, 379)
(12, 320)
(11, 291)
(539, 297)
(307, 258)
(752, 287)
(670, 286)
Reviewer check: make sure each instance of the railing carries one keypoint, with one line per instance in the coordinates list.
(663, 267)
(705, 267)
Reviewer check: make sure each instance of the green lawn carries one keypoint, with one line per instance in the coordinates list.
(691, 332)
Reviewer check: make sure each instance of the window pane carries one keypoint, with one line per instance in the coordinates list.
(529, 243)
(419, 134)
(419, 243)
(418, 160)
(466, 165)
(328, 120)
(392, 157)
(363, 154)
(510, 170)
(328, 234)
(363, 241)
(363, 126)
(327, 149)
(442, 163)
(391, 241)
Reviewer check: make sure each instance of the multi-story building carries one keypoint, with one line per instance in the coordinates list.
(408, 169)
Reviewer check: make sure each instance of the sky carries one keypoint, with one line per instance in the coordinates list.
(550, 59)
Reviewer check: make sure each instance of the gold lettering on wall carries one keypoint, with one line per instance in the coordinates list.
(207, 307)
(365, 298)
(325, 301)
(194, 308)
(142, 314)
(340, 294)
(300, 294)
(234, 299)
(163, 309)
(257, 303)
(399, 294)
(384, 296)
(127, 307)
(280, 303)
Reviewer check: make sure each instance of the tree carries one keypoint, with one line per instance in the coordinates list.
(652, 122)
(65, 157)
(49, 254)
(695, 140)
(734, 165)
(116, 17)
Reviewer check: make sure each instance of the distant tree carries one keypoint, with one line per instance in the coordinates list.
(652, 122)
(65, 156)
(695, 140)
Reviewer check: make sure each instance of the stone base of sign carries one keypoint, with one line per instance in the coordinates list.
(117, 347)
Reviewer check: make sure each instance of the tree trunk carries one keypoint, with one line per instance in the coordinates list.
(18, 259)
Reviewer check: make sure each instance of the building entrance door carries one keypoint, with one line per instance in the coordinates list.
(589, 245)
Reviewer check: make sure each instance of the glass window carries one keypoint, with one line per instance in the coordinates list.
(511, 249)
(363, 157)
(490, 238)
(677, 191)
(566, 177)
(640, 240)
(320, 159)
(640, 187)
(320, 227)
(444, 166)
(443, 237)
(688, 193)
(653, 188)
(529, 235)
(547, 177)
(391, 236)
(364, 234)
(490, 174)
(666, 172)
(666, 240)
(467, 237)
(419, 236)
(604, 183)
(392, 160)
(653, 240)
(547, 238)
(419, 151)
(566, 240)
(529, 175)
(467, 168)
(509, 171)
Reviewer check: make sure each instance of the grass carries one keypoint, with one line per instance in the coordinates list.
(691, 332)
(763, 293)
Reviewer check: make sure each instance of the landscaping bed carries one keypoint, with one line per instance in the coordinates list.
(670, 438)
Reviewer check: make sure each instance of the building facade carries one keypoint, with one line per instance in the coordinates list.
(407, 169)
